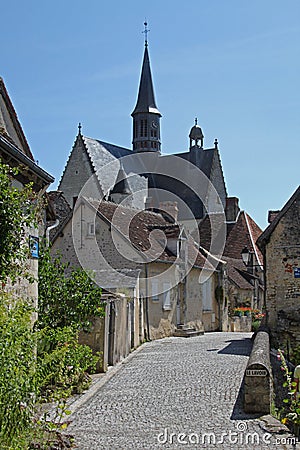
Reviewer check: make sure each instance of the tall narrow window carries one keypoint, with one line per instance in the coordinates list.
(154, 290)
(144, 128)
(141, 128)
(167, 296)
(206, 295)
(91, 229)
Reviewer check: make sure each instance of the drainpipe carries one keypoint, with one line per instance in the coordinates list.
(48, 229)
(147, 303)
(219, 302)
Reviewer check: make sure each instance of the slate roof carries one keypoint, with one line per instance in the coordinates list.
(104, 160)
(264, 238)
(206, 158)
(121, 184)
(146, 99)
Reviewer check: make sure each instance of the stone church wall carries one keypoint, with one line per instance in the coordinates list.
(76, 174)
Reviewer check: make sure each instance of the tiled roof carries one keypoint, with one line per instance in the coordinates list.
(148, 232)
(140, 225)
(236, 273)
(59, 203)
(244, 233)
(205, 229)
(116, 279)
(265, 236)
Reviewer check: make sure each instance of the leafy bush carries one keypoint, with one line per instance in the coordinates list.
(295, 355)
(62, 363)
(44, 361)
(67, 296)
(290, 414)
(39, 366)
(18, 382)
(255, 325)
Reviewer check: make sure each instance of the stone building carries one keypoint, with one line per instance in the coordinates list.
(148, 257)
(245, 282)
(15, 152)
(280, 245)
(193, 178)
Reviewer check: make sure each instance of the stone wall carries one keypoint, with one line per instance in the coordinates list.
(241, 324)
(282, 286)
(111, 335)
(77, 172)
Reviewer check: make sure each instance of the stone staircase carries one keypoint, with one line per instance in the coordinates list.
(187, 331)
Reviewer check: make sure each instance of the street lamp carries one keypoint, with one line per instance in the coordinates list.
(246, 256)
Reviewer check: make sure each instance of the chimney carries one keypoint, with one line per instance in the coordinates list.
(271, 215)
(148, 202)
(232, 209)
(170, 208)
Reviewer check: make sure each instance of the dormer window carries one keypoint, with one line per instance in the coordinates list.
(91, 229)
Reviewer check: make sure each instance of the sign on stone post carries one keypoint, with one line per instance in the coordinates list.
(258, 386)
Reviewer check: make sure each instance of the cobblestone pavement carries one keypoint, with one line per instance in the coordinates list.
(176, 393)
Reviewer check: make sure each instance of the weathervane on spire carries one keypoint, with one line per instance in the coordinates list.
(146, 31)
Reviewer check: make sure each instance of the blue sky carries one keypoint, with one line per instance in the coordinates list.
(234, 64)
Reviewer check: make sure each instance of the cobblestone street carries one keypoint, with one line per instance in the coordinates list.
(175, 393)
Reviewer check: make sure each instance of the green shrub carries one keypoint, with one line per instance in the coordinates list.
(295, 355)
(255, 325)
(67, 295)
(62, 363)
(18, 383)
(290, 414)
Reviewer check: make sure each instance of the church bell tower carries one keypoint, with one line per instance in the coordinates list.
(146, 116)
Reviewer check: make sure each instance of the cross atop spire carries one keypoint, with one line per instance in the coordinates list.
(146, 126)
(146, 31)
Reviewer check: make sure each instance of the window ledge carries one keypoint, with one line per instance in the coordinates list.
(167, 308)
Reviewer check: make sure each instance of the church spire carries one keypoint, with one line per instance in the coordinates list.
(146, 116)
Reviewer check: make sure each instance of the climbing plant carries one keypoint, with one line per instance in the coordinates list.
(18, 212)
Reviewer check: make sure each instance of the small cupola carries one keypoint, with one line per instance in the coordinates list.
(196, 136)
